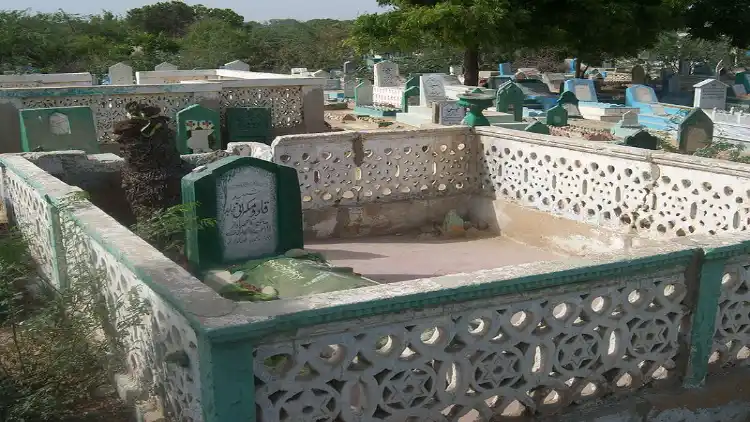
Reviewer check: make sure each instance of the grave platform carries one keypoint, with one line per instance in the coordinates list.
(602, 111)
(389, 259)
(374, 111)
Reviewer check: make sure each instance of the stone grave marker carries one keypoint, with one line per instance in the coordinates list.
(638, 75)
(569, 101)
(504, 69)
(257, 207)
(363, 93)
(249, 124)
(198, 130)
(642, 139)
(583, 89)
(557, 116)
(710, 94)
(510, 100)
(299, 71)
(537, 127)
(553, 81)
(449, 113)
(630, 119)
(237, 65)
(349, 67)
(739, 90)
(695, 131)
(456, 70)
(644, 94)
(349, 85)
(165, 66)
(431, 89)
(120, 74)
(58, 129)
(386, 74)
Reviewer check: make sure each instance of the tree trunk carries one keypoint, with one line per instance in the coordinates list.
(579, 74)
(471, 66)
(153, 168)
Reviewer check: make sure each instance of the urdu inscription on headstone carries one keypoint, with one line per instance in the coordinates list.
(431, 89)
(450, 113)
(256, 205)
(710, 94)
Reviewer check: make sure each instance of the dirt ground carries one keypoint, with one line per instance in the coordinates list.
(348, 120)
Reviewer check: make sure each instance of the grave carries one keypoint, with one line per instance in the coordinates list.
(198, 130)
(695, 132)
(743, 78)
(434, 106)
(364, 102)
(249, 124)
(554, 81)
(710, 94)
(388, 90)
(638, 75)
(569, 102)
(510, 100)
(121, 74)
(299, 71)
(505, 69)
(349, 67)
(537, 95)
(628, 126)
(165, 66)
(256, 205)
(557, 116)
(642, 139)
(538, 127)
(652, 113)
(58, 129)
(237, 65)
(589, 105)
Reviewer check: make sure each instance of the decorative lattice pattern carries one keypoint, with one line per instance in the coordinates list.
(501, 356)
(32, 216)
(358, 170)
(614, 192)
(732, 337)
(285, 102)
(110, 109)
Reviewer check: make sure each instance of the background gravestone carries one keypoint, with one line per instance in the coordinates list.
(449, 113)
(695, 132)
(569, 102)
(431, 89)
(710, 94)
(165, 66)
(256, 205)
(58, 129)
(237, 65)
(249, 124)
(198, 129)
(557, 116)
(537, 127)
(510, 100)
(120, 74)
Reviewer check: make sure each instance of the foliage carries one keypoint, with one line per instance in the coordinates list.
(671, 47)
(714, 20)
(53, 354)
(166, 228)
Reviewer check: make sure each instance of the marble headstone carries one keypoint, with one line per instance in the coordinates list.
(450, 113)
(431, 89)
(255, 204)
(710, 94)
(386, 74)
(120, 74)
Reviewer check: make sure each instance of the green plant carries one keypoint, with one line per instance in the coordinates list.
(54, 352)
(165, 229)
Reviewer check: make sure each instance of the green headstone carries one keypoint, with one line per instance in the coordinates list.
(695, 132)
(58, 129)
(510, 100)
(567, 97)
(410, 92)
(257, 207)
(538, 127)
(249, 124)
(557, 116)
(198, 130)
(642, 139)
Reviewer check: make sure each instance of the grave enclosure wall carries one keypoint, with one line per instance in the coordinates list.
(419, 348)
(296, 103)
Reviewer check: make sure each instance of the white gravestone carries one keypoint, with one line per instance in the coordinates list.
(120, 74)
(645, 95)
(710, 94)
(363, 93)
(299, 70)
(237, 65)
(246, 218)
(583, 92)
(450, 114)
(165, 66)
(630, 119)
(386, 74)
(431, 89)
(59, 124)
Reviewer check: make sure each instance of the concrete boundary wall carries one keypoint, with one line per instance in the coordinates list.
(668, 307)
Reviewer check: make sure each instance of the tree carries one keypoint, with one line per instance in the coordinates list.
(712, 20)
(593, 30)
(171, 18)
(469, 25)
(212, 42)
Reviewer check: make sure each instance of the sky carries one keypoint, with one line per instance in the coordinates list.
(252, 10)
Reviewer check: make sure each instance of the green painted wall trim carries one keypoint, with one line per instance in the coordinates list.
(141, 273)
(227, 381)
(306, 318)
(59, 260)
(703, 324)
(90, 91)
